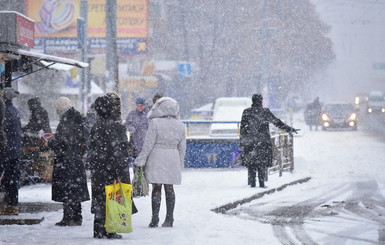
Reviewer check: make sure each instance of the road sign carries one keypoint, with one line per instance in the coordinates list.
(184, 69)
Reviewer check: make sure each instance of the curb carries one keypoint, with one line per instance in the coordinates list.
(223, 209)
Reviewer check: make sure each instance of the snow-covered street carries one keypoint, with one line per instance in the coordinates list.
(345, 167)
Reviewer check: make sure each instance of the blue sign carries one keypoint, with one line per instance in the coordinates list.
(184, 70)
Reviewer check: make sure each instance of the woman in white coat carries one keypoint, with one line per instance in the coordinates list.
(162, 156)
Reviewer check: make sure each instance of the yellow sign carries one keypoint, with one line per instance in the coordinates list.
(138, 82)
(58, 18)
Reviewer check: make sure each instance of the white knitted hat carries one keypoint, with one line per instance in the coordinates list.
(62, 104)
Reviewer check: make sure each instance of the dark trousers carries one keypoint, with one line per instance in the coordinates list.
(72, 211)
(252, 173)
(10, 180)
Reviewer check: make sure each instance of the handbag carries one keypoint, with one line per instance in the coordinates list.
(118, 208)
(140, 184)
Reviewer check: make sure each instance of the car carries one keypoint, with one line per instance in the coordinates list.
(227, 116)
(339, 115)
(361, 99)
(376, 103)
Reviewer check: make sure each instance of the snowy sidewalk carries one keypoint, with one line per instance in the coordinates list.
(202, 190)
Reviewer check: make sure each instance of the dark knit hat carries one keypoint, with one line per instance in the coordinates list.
(257, 99)
(104, 106)
(140, 100)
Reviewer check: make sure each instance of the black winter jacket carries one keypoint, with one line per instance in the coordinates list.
(69, 181)
(12, 129)
(109, 154)
(255, 139)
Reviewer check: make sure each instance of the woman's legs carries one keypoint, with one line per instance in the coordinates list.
(156, 198)
(170, 204)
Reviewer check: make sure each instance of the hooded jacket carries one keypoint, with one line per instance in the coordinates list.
(164, 147)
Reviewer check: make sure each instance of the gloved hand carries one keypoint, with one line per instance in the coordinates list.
(294, 130)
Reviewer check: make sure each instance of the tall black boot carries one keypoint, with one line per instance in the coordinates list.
(170, 205)
(100, 231)
(156, 198)
(66, 215)
(76, 218)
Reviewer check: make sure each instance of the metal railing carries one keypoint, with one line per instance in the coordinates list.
(283, 154)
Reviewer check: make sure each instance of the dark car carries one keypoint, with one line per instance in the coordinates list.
(339, 115)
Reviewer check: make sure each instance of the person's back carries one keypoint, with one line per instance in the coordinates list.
(39, 117)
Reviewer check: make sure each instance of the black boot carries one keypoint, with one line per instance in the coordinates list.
(66, 216)
(100, 231)
(170, 205)
(156, 198)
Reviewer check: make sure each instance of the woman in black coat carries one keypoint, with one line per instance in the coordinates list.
(69, 182)
(109, 154)
(255, 140)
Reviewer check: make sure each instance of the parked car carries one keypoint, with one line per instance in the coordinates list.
(229, 111)
(339, 115)
(376, 103)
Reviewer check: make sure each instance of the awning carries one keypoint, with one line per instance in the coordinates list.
(18, 53)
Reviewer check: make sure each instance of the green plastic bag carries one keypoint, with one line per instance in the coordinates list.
(139, 183)
(118, 208)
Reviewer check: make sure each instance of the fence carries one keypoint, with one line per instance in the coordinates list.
(205, 150)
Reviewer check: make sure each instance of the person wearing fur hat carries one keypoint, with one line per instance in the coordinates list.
(109, 154)
(117, 106)
(69, 183)
(10, 158)
(162, 156)
(255, 142)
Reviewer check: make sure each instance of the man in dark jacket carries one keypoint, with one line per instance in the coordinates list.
(255, 139)
(39, 117)
(108, 161)
(69, 183)
(10, 159)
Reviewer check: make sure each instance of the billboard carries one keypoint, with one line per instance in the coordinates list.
(56, 25)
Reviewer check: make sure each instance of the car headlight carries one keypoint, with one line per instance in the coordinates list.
(357, 100)
(353, 116)
(325, 117)
(383, 109)
(370, 110)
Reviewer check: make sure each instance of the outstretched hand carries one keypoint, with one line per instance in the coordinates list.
(295, 130)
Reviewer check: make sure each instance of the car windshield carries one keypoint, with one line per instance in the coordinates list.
(336, 109)
(376, 98)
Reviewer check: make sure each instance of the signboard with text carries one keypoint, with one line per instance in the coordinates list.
(56, 26)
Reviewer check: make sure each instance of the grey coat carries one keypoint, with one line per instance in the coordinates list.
(165, 144)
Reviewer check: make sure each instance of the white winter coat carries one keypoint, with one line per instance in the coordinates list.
(164, 145)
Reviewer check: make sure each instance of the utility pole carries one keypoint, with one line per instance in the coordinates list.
(111, 46)
(84, 73)
(265, 32)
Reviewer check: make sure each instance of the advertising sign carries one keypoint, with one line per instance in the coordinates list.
(24, 31)
(56, 25)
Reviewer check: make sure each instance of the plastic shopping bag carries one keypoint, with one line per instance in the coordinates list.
(118, 208)
(139, 183)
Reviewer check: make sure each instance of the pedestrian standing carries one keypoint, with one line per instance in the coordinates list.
(137, 124)
(162, 156)
(39, 119)
(10, 158)
(69, 182)
(3, 139)
(109, 154)
(255, 139)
